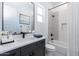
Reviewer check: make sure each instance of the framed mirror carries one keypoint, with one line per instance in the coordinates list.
(18, 16)
(0, 16)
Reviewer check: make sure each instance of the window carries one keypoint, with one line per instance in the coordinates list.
(39, 10)
(39, 18)
(40, 14)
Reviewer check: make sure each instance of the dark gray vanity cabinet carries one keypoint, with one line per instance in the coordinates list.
(40, 49)
(27, 50)
(33, 49)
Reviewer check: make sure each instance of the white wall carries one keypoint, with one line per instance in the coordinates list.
(42, 27)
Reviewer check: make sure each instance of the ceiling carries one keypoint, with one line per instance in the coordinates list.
(46, 4)
(50, 4)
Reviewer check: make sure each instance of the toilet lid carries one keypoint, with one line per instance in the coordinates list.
(50, 46)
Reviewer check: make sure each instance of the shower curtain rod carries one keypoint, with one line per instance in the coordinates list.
(58, 6)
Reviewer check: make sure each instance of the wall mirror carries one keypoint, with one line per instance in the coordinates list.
(0, 16)
(18, 16)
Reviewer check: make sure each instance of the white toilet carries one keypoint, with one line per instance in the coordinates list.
(50, 50)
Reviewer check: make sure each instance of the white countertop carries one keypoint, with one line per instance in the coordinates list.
(19, 42)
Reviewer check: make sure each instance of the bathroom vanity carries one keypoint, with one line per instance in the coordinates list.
(29, 46)
(18, 18)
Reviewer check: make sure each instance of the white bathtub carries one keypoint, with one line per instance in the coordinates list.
(61, 48)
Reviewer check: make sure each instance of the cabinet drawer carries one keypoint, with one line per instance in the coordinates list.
(27, 49)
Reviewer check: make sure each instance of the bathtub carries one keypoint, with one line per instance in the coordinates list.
(60, 48)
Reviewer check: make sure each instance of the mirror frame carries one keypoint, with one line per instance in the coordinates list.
(33, 16)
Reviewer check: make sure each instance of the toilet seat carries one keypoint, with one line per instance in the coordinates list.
(50, 49)
(49, 46)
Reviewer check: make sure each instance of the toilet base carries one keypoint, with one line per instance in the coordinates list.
(49, 52)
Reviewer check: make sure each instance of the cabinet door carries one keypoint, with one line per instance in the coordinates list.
(40, 49)
(27, 50)
(15, 52)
